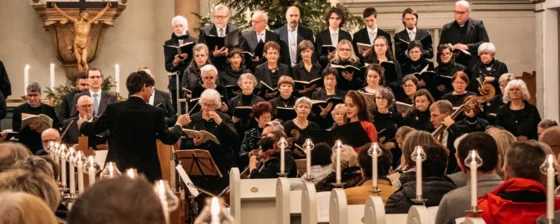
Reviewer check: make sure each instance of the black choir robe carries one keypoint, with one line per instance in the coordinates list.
(135, 126)
(281, 102)
(493, 69)
(303, 34)
(419, 120)
(446, 70)
(521, 122)
(28, 137)
(472, 34)
(321, 94)
(357, 81)
(401, 46)
(362, 36)
(179, 68)
(221, 61)
(250, 43)
(67, 105)
(324, 38)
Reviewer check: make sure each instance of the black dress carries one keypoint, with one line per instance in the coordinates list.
(519, 122)
(457, 100)
(493, 69)
(290, 128)
(343, 84)
(474, 124)
(321, 94)
(444, 75)
(229, 77)
(281, 102)
(419, 120)
(386, 126)
(492, 106)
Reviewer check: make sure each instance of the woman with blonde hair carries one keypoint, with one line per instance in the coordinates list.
(350, 171)
(24, 208)
(504, 139)
(37, 184)
(349, 79)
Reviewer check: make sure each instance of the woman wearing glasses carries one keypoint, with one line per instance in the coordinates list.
(457, 96)
(445, 70)
(349, 79)
(382, 55)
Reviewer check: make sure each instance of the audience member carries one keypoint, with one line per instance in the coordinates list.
(23, 208)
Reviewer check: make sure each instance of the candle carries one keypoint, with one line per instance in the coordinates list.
(131, 173)
(63, 168)
(418, 172)
(26, 78)
(308, 146)
(283, 144)
(473, 167)
(550, 188)
(374, 156)
(52, 76)
(338, 168)
(80, 176)
(160, 186)
(215, 211)
(91, 170)
(117, 78)
(72, 173)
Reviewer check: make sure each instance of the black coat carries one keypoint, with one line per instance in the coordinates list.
(5, 85)
(28, 137)
(73, 133)
(520, 123)
(473, 34)
(362, 36)
(494, 69)
(163, 100)
(491, 108)
(262, 73)
(357, 81)
(401, 46)
(279, 102)
(419, 120)
(66, 106)
(250, 42)
(473, 124)
(321, 94)
(170, 55)
(433, 189)
(324, 38)
(446, 72)
(135, 126)
(106, 99)
(191, 77)
(230, 77)
(220, 61)
(271, 168)
(303, 34)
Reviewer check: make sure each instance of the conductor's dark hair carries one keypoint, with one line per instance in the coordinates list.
(384, 161)
(338, 11)
(321, 155)
(95, 69)
(330, 71)
(485, 146)
(435, 164)
(410, 11)
(369, 11)
(440, 50)
(136, 81)
(260, 108)
(359, 101)
(83, 75)
(119, 200)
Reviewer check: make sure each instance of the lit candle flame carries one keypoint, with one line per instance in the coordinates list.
(130, 173)
(215, 207)
(161, 189)
(338, 144)
(27, 66)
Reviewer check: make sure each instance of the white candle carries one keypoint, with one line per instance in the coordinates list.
(550, 188)
(91, 174)
(117, 78)
(80, 177)
(72, 178)
(282, 156)
(163, 198)
(215, 211)
(473, 167)
(52, 76)
(63, 169)
(418, 173)
(308, 156)
(338, 168)
(26, 78)
(374, 165)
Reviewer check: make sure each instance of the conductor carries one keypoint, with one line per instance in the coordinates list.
(135, 125)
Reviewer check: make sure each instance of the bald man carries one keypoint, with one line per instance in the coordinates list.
(84, 106)
(293, 33)
(47, 136)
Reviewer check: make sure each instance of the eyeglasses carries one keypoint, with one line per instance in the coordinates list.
(446, 54)
(408, 86)
(221, 17)
(95, 77)
(460, 12)
(344, 49)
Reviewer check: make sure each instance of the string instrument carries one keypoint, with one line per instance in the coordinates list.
(487, 92)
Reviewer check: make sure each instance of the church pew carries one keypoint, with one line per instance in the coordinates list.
(288, 203)
(309, 204)
(252, 201)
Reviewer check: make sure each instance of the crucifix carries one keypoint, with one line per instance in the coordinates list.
(82, 25)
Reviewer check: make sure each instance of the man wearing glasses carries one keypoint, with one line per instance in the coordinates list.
(464, 33)
(100, 98)
(220, 28)
(85, 110)
(30, 135)
(82, 84)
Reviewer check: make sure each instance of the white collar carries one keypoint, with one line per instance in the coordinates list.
(219, 27)
(369, 30)
(295, 29)
(413, 30)
(98, 93)
(262, 32)
(333, 31)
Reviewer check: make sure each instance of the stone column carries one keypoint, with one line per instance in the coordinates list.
(186, 8)
(547, 49)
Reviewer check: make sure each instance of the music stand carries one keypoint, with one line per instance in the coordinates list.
(198, 163)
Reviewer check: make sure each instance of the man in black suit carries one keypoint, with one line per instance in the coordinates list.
(174, 62)
(163, 100)
(100, 98)
(220, 28)
(252, 39)
(411, 33)
(72, 132)
(5, 85)
(464, 33)
(67, 104)
(331, 36)
(135, 126)
(368, 34)
(292, 34)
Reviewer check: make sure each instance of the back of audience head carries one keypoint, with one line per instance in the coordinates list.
(24, 208)
(321, 155)
(119, 200)
(10, 153)
(551, 137)
(37, 184)
(348, 157)
(35, 164)
(435, 164)
(486, 148)
(413, 139)
(545, 124)
(504, 139)
(401, 134)
(384, 161)
(523, 160)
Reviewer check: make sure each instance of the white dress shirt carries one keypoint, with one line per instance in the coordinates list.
(411, 34)
(292, 41)
(261, 36)
(334, 36)
(151, 101)
(372, 33)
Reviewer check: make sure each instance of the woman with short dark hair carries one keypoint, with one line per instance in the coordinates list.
(445, 70)
(419, 117)
(233, 70)
(306, 69)
(262, 114)
(418, 64)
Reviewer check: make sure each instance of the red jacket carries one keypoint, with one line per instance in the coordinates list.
(369, 128)
(516, 201)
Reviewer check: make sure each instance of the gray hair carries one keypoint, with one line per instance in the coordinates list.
(260, 13)
(180, 19)
(34, 88)
(221, 7)
(463, 3)
(37, 184)
(208, 68)
(82, 98)
(506, 77)
(247, 76)
(303, 100)
(387, 94)
(277, 129)
(547, 123)
(210, 95)
(340, 105)
(487, 46)
(520, 84)
(348, 157)
(524, 159)
(10, 153)
(36, 165)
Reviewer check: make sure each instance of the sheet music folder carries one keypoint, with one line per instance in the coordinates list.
(198, 162)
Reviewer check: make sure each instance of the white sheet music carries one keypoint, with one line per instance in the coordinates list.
(323, 199)
(186, 179)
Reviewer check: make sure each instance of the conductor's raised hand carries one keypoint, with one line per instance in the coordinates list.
(184, 120)
(215, 116)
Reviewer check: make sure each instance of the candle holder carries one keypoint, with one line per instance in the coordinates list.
(308, 146)
(473, 161)
(374, 151)
(91, 168)
(338, 151)
(282, 144)
(131, 173)
(110, 171)
(70, 157)
(419, 156)
(548, 168)
(214, 212)
(63, 154)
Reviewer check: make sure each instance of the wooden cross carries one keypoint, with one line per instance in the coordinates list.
(83, 4)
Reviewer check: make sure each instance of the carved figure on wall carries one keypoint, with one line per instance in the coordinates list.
(82, 28)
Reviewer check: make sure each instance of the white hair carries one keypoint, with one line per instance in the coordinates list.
(463, 3)
(182, 20)
(487, 46)
(260, 13)
(221, 7)
(208, 68)
(209, 95)
(519, 84)
(82, 98)
(247, 76)
(340, 105)
(506, 77)
(348, 157)
(303, 100)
